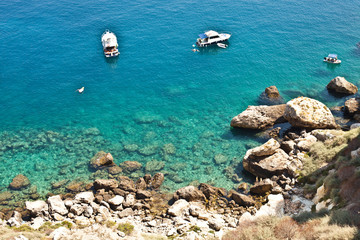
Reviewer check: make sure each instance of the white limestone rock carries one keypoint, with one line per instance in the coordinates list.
(178, 208)
(56, 205)
(85, 197)
(37, 208)
(60, 233)
(116, 201)
(309, 113)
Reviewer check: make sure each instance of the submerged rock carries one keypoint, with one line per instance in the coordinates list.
(154, 166)
(271, 96)
(169, 149)
(340, 85)
(272, 92)
(130, 166)
(131, 147)
(309, 113)
(259, 117)
(19, 182)
(148, 150)
(220, 159)
(102, 159)
(4, 196)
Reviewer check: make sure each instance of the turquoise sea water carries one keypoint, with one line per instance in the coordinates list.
(174, 104)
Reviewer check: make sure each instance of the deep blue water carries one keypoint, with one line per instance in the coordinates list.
(157, 91)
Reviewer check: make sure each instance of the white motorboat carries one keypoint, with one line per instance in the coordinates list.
(222, 45)
(110, 45)
(332, 58)
(212, 37)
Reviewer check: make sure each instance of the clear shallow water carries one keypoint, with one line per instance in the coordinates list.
(158, 91)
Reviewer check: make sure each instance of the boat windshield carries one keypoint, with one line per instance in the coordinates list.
(332, 56)
(109, 49)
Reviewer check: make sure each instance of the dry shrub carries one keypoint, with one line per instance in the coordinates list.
(286, 228)
(325, 230)
(269, 228)
(261, 229)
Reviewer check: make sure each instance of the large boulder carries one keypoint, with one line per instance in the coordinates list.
(178, 208)
(37, 208)
(259, 117)
(126, 184)
(266, 149)
(56, 205)
(340, 85)
(352, 106)
(262, 187)
(19, 182)
(211, 191)
(106, 184)
(274, 162)
(242, 199)
(305, 112)
(189, 193)
(102, 159)
(157, 180)
(85, 197)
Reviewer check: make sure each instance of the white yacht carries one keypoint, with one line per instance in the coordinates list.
(110, 45)
(332, 58)
(211, 37)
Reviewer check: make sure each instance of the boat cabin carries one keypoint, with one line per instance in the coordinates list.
(332, 58)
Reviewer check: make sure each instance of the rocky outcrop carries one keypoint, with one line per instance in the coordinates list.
(19, 182)
(267, 160)
(309, 113)
(272, 92)
(189, 193)
(352, 106)
(340, 85)
(102, 159)
(259, 117)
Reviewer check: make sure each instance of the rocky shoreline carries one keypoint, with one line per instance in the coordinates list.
(201, 211)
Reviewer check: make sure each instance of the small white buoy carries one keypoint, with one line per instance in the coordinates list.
(193, 45)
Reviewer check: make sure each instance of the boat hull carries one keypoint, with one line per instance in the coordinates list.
(199, 44)
(335, 62)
